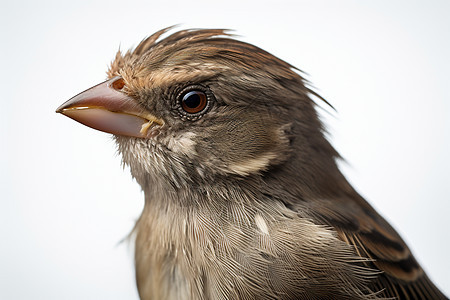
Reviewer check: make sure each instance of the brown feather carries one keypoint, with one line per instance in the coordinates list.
(258, 208)
(374, 238)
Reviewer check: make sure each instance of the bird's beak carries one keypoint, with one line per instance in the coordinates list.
(104, 107)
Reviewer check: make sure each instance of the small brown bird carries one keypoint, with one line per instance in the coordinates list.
(243, 196)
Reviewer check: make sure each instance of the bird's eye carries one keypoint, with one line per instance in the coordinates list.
(194, 101)
(118, 84)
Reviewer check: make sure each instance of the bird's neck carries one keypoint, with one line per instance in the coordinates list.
(178, 232)
(187, 238)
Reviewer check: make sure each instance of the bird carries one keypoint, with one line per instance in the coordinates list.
(244, 198)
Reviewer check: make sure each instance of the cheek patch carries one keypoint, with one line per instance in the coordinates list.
(247, 143)
(182, 144)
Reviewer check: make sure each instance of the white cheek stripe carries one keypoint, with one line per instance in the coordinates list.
(182, 144)
(252, 165)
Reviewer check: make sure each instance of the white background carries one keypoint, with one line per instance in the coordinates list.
(66, 203)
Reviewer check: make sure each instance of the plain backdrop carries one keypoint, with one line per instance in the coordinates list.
(66, 202)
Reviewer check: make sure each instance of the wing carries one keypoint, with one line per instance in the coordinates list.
(358, 224)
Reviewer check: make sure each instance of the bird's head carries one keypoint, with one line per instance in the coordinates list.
(199, 104)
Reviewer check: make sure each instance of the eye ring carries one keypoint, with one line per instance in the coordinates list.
(193, 102)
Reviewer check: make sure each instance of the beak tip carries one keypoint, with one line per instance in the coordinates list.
(59, 110)
(63, 107)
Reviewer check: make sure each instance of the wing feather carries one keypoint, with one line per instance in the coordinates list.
(358, 224)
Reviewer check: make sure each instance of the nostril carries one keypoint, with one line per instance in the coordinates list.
(118, 84)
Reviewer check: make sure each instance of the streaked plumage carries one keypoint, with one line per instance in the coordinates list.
(244, 200)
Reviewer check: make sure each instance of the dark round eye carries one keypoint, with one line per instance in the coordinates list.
(194, 101)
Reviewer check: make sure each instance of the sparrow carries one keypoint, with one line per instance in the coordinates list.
(243, 195)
